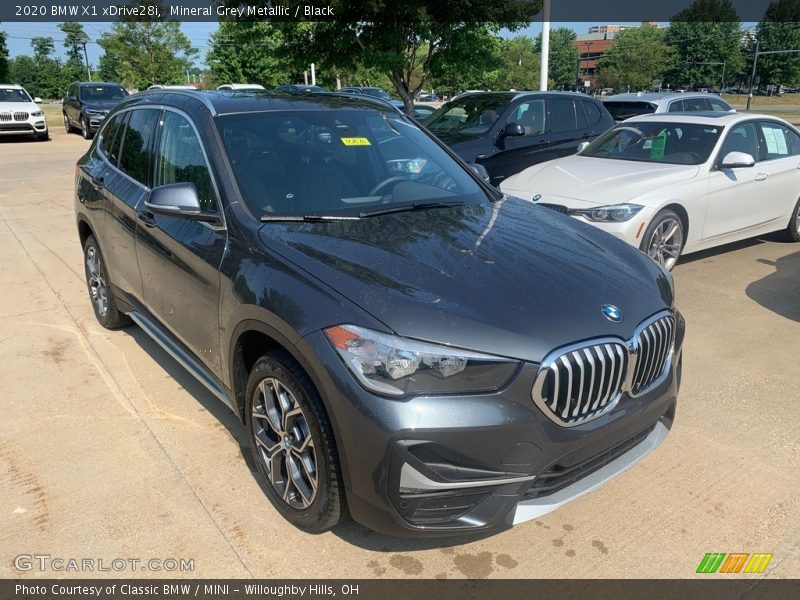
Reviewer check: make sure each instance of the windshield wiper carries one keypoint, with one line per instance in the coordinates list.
(304, 218)
(409, 207)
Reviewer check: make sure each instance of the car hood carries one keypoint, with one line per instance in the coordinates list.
(508, 278)
(19, 107)
(595, 180)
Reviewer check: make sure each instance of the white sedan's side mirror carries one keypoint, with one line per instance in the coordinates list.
(737, 160)
(37, 100)
(582, 146)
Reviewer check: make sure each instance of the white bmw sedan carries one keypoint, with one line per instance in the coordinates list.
(675, 184)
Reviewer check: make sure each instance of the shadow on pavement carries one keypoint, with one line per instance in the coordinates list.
(779, 291)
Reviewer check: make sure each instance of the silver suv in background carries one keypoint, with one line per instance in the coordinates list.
(625, 106)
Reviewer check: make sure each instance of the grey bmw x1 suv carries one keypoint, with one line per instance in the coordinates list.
(401, 342)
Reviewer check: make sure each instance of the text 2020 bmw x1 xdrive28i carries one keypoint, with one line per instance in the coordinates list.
(400, 340)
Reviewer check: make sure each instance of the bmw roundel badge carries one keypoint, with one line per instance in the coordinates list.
(611, 312)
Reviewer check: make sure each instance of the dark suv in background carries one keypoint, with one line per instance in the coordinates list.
(508, 132)
(87, 104)
(399, 340)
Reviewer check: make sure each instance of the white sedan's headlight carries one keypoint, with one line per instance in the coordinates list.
(613, 213)
(395, 366)
(37, 113)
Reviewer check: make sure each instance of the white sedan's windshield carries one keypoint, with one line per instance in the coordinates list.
(673, 143)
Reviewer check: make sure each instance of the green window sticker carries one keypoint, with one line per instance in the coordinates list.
(658, 145)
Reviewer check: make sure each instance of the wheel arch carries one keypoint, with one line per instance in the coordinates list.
(252, 339)
(682, 213)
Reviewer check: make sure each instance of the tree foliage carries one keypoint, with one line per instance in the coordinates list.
(247, 52)
(563, 57)
(518, 65)
(139, 54)
(45, 77)
(708, 31)
(412, 41)
(4, 65)
(780, 30)
(75, 37)
(638, 59)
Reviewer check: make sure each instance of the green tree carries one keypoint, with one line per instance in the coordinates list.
(779, 29)
(246, 52)
(4, 64)
(708, 31)
(22, 70)
(563, 57)
(146, 52)
(74, 39)
(639, 58)
(518, 65)
(47, 71)
(413, 42)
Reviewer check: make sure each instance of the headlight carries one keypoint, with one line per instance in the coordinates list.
(395, 366)
(37, 113)
(614, 213)
(95, 113)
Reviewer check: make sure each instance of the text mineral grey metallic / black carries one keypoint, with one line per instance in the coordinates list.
(400, 341)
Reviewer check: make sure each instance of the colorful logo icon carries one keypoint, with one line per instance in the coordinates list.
(734, 562)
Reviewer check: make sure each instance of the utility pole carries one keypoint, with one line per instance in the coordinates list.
(545, 62)
(752, 77)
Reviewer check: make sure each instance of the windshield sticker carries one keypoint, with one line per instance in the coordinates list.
(658, 145)
(355, 141)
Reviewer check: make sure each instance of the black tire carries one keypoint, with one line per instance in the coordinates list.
(792, 232)
(67, 124)
(99, 288)
(324, 506)
(86, 132)
(664, 251)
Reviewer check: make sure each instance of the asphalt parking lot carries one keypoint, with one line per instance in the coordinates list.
(109, 449)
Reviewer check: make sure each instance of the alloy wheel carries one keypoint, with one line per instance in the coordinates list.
(284, 443)
(666, 242)
(98, 290)
(797, 219)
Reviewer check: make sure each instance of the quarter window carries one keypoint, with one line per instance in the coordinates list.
(181, 160)
(593, 114)
(137, 145)
(111, 137)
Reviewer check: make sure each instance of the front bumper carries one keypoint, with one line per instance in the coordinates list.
(445, 465)
(34, 125)
(95, 121)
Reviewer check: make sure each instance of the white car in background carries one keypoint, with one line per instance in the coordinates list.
(19, 115)
(241, 87)
(625, 106)
(672, 184)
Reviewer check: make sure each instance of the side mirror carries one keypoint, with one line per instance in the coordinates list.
(513, 130)
(737, 160)
(178, 200)
(37, 100)
(480, 171)
(583, 146)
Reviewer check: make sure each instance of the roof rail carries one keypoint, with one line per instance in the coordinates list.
(196, 94)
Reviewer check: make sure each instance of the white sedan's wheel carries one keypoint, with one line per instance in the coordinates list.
(793, 230)
(664, 238)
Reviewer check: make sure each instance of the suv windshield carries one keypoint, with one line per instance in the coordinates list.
(673, 143)
(339, 163)
(14, 95)
(91, 93)
(471, 116)
(625, 110)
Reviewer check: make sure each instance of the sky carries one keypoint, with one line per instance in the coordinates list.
(19, 35)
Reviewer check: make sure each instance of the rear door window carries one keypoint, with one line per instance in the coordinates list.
(719, 105)
(562, 115)
(137, 145)
(778, 141)
(696, 104)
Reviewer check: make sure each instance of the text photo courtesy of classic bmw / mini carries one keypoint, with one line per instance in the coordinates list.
(424, 290)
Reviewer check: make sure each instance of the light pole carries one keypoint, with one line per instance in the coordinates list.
(755, 62)
(545, 62)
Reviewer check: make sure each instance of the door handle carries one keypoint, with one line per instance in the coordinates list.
(761, 176)
(98, 183)
(147, 219)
